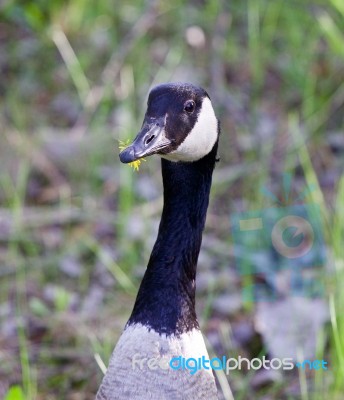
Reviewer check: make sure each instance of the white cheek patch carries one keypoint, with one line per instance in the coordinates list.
(201, 139)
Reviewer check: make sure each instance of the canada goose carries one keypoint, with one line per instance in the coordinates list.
(180, 125)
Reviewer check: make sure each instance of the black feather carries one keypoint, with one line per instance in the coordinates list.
(166, 298)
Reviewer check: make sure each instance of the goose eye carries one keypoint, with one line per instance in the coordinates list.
(189, 106)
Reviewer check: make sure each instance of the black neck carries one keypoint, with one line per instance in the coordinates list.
(166, 298)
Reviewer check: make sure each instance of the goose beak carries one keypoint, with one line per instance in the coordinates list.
(150, 140)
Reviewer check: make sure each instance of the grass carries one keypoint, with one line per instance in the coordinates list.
(76, 76)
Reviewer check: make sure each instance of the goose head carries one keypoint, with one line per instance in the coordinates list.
(179, 125)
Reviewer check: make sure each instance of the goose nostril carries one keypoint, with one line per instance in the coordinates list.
(149, 139)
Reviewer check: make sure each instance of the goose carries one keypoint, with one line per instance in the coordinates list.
(181, 127)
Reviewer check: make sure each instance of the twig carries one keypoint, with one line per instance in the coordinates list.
(72, 63)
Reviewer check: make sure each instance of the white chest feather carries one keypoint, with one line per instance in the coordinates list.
(139, 367)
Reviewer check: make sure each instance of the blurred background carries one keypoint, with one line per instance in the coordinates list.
(77, 228)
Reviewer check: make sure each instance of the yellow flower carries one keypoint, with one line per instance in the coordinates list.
(134, 164)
